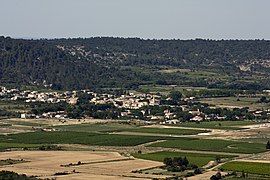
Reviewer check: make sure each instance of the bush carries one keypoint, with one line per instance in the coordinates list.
(8, 175)
(193, 166)
(176, 168)
(190, 174)
(178, 164)
(197, 171)
(61, 173)
(49, 147)
(216, 176)
(268, 145)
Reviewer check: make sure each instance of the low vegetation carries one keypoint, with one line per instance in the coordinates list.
(71, 137)
(212, 145)
(11, 161)
(247, 167)
(232, 101)
(171, 131)
(99, 127)
(227, 125)
(21, 145)
(8, 175)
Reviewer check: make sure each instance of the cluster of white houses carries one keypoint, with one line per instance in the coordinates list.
(57, 115)
(35, 96)
(127, 102)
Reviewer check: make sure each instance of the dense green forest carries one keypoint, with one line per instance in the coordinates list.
(105, 62)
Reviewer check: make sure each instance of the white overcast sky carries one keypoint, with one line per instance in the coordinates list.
(167, 19)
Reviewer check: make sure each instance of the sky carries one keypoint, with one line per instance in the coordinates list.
(148, 19)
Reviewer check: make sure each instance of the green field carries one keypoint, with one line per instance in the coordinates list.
(171, 131)
(71, 137)
(251, 102)
(5, 145)
(206, 74)
(212, 145)
(250, 177)
(248, 167)
(195, 158)
(165, 89)
(227, 125)
(263, 139)
(116, 127)
(109, 127)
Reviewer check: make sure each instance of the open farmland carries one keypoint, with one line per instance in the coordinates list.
(4, 145)
(172, 131)
(97, 165)
(154, 143)
(98, 127)
(51, 121)
(116, 127)
(233, 102)
(128, 129)
(195, 158)
(167, 89)
(212, 145)
(70, 137)
(248, 167)
(16, 125)
(226, 125)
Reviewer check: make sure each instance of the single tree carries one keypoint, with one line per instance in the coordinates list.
(263, 99)
(185, 161)
(197, 171)
(268, 145)
(243, 174)
(176, 96)
(168, 161)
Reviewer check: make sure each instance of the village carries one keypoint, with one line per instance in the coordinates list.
(148, 108)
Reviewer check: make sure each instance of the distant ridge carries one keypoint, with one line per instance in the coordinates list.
(103, 62)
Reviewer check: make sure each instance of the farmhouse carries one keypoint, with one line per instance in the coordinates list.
(197, 118)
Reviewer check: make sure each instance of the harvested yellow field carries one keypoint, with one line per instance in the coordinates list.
(94, 165)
